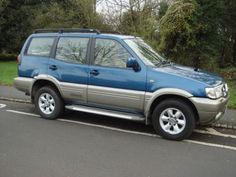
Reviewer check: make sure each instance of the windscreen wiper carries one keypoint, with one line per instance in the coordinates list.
(164, 62)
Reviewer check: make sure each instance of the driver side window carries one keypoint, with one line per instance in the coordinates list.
(110, 53)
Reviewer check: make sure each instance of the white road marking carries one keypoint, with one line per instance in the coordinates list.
(109, 128)
(140, 133)
(211, 131)
(211, 144)
(148, 134)
(24, 113)
(2, 106)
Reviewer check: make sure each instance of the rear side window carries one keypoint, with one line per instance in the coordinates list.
(72, 49)
(40, 46)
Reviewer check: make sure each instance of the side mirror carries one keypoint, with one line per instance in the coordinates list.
(132, 63)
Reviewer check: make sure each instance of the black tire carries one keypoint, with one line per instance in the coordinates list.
(188, 116)
(58, 102)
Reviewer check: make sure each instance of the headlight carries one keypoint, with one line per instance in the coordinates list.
(217, 92)
(226, 88)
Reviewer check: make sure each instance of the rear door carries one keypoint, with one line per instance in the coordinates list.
(111, 83)
(69, 67)
(36, 55)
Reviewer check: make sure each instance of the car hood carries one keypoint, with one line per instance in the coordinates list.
(191, 73)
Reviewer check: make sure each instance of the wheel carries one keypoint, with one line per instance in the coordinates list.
(48, 103)
(173, 119)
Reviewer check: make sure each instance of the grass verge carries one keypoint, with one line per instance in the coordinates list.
(232, 93)
(8, 71)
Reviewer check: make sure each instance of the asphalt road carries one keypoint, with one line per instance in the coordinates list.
(86, 145)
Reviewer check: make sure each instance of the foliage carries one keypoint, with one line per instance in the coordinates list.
(8, 57)
(228, 73)
(138, 24)
(189, 31)
(192, 32)
(11, 23)
(140, 20)
(18, 19)
(232, 93)
(163, 8)
(71, 13)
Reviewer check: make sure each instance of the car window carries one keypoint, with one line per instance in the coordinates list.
(149, 56)
(72, 49)
(110, 53)
(40, 46)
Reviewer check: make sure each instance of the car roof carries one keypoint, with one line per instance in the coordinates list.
(103, 35)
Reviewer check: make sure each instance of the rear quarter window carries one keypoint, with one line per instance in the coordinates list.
(40, 46)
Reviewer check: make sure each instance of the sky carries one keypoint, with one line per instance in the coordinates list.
(105, 6)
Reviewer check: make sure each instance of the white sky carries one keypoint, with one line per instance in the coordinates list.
(105, 6)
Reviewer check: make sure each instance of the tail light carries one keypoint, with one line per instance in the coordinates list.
(18, 59)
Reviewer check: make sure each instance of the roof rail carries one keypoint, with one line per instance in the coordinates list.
(67, 30)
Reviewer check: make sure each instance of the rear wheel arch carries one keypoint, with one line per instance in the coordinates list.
(48, 102)
(42, 83)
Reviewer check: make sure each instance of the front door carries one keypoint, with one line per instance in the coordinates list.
(111, 83)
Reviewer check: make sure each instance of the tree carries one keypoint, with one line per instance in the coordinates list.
(18, 19)
(163, 8)
(228, 31)
(14, 26)
(190, 31)
(16, 23)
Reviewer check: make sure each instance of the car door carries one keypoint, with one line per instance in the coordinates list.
(69, 67)
(36, 56)
(111, 83)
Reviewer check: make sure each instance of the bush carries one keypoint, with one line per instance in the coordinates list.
(7, 57)
(229, 73)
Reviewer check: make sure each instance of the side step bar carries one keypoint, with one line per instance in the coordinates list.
(117, 114)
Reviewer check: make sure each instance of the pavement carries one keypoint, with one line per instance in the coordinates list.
(10, 93)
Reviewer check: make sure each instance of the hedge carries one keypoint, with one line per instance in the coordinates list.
(8, 57)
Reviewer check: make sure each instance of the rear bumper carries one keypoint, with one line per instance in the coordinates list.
(209, 110)
(23, 84)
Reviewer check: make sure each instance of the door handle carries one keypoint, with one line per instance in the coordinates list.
(53, 67)
(94, 72)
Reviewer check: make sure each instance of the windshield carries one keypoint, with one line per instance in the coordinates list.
(145, 52)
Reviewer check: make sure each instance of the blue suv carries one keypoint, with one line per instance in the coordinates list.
(119, 76)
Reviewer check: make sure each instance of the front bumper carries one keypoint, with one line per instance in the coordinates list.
(209, 110)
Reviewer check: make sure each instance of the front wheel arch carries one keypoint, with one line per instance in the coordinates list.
(167, 130)
(161, 98)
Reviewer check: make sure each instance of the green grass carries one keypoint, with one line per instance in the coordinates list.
(8, 71)
(232, 93)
